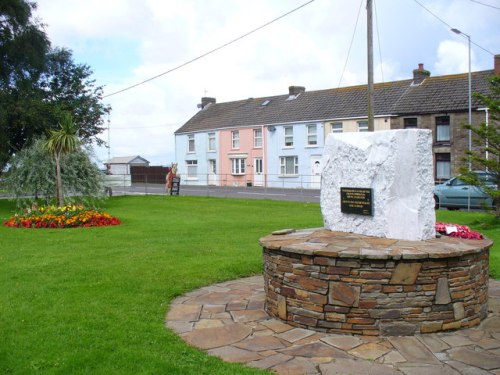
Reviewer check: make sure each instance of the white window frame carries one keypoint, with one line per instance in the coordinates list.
(211, 142)
(312, 135)
(190, 165)
(336, 127)
(257, 138)
(238, 166)
(284, 171)
(235, 139)
(443, 131)
(288, 138)
(191, 143)
(362, 126)
(443, 166)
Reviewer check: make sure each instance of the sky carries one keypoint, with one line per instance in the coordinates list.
(322, 45)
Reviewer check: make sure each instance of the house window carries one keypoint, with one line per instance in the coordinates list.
(257, 138)
(288, 136)
(235, 139)
(337, 127)
(443, 166)
(191, 143)
(312, 137)
(238, 166)
(410, 123)
(211, 141)
(289, 165)
(362, 126)
(443, 129)
(192, 168)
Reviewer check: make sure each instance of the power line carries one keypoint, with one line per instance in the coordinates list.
(211, 51)
(486, 5)
(450, 27)
(379, 45)
(350, 45)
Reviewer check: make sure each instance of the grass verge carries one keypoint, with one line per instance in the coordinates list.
(93, 300)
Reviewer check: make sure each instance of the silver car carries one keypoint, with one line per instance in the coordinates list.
(456, 193)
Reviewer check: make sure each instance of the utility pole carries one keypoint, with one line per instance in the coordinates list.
(371, 125)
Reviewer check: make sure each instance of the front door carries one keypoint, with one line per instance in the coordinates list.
(316, 170)
(258, 175)
(212, 172)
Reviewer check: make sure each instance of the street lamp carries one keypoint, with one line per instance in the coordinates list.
(486, 122)
(456, 31)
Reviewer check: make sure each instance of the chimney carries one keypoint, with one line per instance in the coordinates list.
(206, 101)
(296, 90)
(497, 65)
(420, 74)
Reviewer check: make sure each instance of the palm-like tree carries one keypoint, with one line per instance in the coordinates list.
(62, 141)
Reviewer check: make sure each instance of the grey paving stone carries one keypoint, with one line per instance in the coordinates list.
(433, 342)
(233, 354)
(260, 343)
(413, 350)
(464, 369)
(429, 370)
(343, 342)
(209, 338)
(484, 360)
(295, 334)
(318, 349)
(296, 366)
(270, 361)
(344, 366)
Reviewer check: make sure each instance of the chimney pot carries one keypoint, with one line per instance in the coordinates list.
(420, 74)
(497, 65)
(206, 101)
(296, 90)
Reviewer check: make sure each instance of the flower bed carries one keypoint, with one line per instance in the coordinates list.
(70, 216)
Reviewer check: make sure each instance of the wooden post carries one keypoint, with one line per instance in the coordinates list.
(371, 125)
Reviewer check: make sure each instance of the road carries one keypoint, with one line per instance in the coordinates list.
(298, 195)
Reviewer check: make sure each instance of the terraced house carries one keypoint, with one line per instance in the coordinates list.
(277, 141)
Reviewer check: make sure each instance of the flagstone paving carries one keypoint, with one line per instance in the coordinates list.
(228, 321)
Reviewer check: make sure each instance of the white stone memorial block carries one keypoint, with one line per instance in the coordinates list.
(396, 167)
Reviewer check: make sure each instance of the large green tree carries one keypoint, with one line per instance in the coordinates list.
(38, 84)
(23, 43)
(486, 152)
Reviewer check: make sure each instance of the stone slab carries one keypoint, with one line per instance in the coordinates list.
(413, 350)
(210, 338)
(482, 360)
(233, 354)
(343, 366)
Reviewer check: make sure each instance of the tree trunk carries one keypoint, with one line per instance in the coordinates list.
(59, 187)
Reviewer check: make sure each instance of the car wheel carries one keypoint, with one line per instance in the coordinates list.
(436, 202)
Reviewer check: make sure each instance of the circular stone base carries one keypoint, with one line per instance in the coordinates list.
(348, 283)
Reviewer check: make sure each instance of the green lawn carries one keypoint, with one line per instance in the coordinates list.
(93, 300)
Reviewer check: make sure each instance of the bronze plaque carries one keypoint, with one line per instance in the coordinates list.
(358, 201)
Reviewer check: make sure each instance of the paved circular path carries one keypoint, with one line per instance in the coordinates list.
(228, 321)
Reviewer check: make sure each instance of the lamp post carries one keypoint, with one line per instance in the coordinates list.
(486, 122)
(456, 31)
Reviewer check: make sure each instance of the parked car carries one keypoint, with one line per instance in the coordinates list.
(456, 193)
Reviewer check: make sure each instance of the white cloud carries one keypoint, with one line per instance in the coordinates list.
(453, 57)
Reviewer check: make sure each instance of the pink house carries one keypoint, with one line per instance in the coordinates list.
(241, 153)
